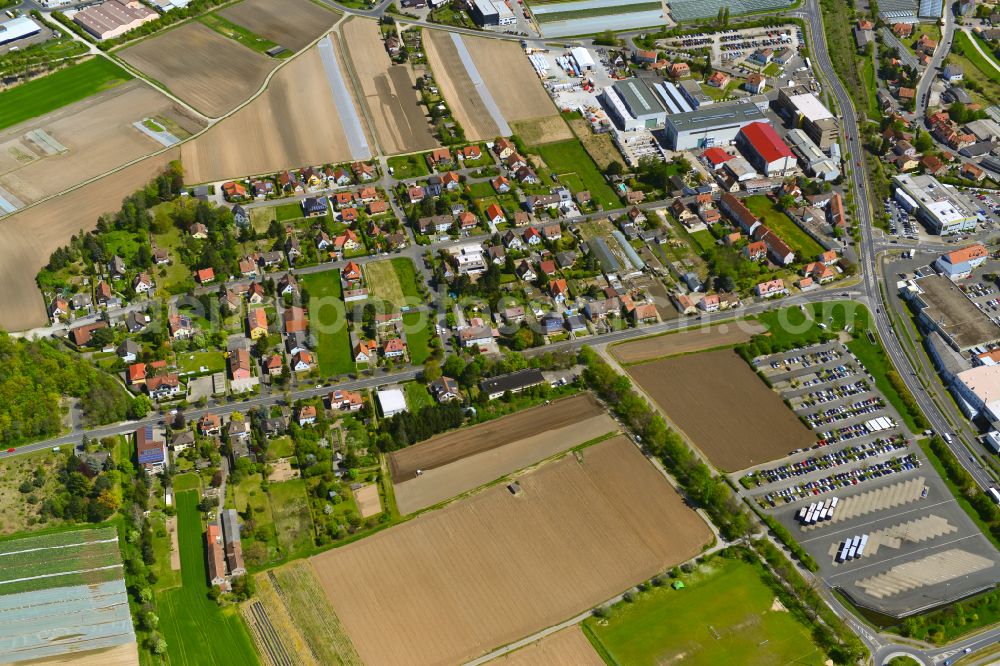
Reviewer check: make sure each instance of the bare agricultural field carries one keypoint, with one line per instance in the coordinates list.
(119, 655)
(511, 79)
(28, 238)
(290, 23)
(97, 133)
(457, 88)
(390, 91)
(443, 449)
(685, 342)
(723, 407)
(442, 483)
(285, 131)
(542, 130)
(368, 500)
(211, 73)
(566, 647)
(453, 584)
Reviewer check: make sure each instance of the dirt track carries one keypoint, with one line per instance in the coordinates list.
(448, 448)
(453, 584)
(27, 239)
(208, 71)
(98, 134)
(723, 407)
(684, 342)
(390, 91)
(290, 23)
(286, 133)
(456, 87)
(567, 647)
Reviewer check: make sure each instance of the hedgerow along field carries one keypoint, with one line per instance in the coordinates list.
(725, 614)
(196, 629)
(59, 89)
(723, 407)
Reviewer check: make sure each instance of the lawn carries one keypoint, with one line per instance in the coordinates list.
(407, 276)
(292, 519)
(260, 545)
(193, 362)
(870, 81)
(329, 323)
(418, 335)
(480, 190)
(166, 578)
(704, 239)
(724, 615)
(289, 211)
(280, 447)
(569, 157)
(196, 630)
(184, 482)
(408, 166)
(59, 89)
(981, 71)
(417, 396)
(805, 248)
(383, 282)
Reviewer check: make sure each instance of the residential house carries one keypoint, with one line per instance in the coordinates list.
(315, 206)
(558, 290)
(239, 365)
(394, 348)
(350, 401)
(501, 184)
(150, 451)
(163, 387)
(307, 415)
(445, 389)
(494, 214)
(645, 313)
(364, 351)
(295, 320)
(475, 336)
(302, 361)
(198, 231)
(234, 191)
(255, 293)
(771, 288)
(205, 275)
(128, 351)
(524, 271)
(142, 283)
(257, 323)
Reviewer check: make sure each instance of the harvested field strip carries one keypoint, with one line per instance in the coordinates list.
(870, 501)
(911, 531)
(351, 123)
(453, 584)
(566, 647)
(290, 23)
(235, 73)
(447, 448)
(723, 407)
(269, 644)
(299, 611)
(121, 655)
(479, 84)
(553, 128)
(933, 569)
(451, 480)
(457, 87)
(685, 342)
(63, 87)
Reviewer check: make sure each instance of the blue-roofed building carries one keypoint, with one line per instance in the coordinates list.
(150, 451)
(931, 9)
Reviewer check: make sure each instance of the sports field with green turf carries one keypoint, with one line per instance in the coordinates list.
(38, 97)
(725, 615)
(196, 629)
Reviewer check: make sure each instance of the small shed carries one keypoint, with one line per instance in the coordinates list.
(677, 585)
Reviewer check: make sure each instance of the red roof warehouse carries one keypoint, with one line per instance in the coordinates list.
(765, 149)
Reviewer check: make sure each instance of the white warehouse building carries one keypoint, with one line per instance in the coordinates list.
(934, 204)
(814, 161)
(715, 125)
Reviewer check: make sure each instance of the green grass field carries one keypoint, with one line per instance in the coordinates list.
(723, 616)
(982, 72)
(292, 519)
(594, 11)
(407, 276)
(289, 211)
(166, 578)
(197, 631)
(59, 89)
(805, 248)
(280, 447)
(193, 362)
(704, 239)
(417, 396)
(569, 157)
(418, 335)
(333, 339)
(190, 481)
(408, 166)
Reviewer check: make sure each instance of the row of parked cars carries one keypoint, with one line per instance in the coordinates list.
(845, 456)
(843, 412)
(843, 480)
(807, 360)
(838, 393)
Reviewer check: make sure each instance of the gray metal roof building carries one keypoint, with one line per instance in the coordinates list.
(633, 106)
(713, 125)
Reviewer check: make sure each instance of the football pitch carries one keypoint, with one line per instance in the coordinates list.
(725, 614)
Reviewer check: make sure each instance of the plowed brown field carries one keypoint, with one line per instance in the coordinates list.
(286, 133)
(465, 442)
(390, 91)
(723, 407)
(28, 238)
(567, 647)
(208, 71)
(290, 23)
(453, 584)
(98, 134)
(511, 79)
(456, 87)
(685, 342)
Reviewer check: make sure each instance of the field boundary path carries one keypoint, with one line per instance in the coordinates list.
(480, 84)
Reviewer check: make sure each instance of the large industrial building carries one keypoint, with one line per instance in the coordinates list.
(19, 28)
(491, 13)
(943, 307)
(633, 106)
(715, 125)
(937, 206)
(765, 150)
(113, 18)
(814, 161)
(810, 114)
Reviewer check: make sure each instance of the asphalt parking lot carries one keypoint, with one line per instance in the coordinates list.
(922, 549)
